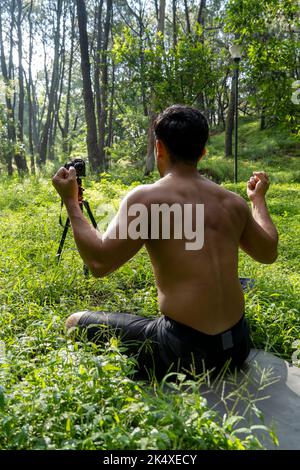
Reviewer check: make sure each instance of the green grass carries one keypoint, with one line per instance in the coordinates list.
(57, 394)
(274, 149)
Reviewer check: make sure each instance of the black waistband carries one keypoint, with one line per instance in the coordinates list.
(225, 340)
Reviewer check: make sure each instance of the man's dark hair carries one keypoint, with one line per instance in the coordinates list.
(184, 131)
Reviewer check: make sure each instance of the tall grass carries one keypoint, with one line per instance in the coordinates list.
(59, 394)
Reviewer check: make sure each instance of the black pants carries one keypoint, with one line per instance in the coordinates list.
(161, 345)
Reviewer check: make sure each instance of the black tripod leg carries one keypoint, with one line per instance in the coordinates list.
(62, 241)
(90, 214)
(94, 223)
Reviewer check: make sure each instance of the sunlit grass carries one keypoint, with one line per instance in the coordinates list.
(58, 394)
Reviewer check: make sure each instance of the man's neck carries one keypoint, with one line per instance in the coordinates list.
(181, 170)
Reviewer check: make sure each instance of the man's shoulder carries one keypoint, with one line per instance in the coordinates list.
(234, 202)
(233, 198)
(237, 207)
(140, 194)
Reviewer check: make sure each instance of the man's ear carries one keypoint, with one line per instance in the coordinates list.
(159, 148)
(202, 154)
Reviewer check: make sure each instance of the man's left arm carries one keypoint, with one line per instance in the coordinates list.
(101, 253)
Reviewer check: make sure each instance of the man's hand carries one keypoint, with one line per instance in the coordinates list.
(66, 185)
(260, 237)
(258, 185)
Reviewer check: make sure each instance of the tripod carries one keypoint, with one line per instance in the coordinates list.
(82, 203)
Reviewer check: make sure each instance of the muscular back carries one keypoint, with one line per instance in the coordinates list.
(200, 288)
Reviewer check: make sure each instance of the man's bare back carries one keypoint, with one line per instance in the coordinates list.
(199, 292)
(200, 288)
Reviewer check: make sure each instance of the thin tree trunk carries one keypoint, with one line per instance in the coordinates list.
(156, 9)
(111, 110)
(221, 95)
(92, 144)
(46, 70)
(263, 123)
(20, 126)
(30, 132)
(53, 90)
(98, 65)
(201, 13)
(104, 83)
(40, 110)
(187, 17)
(66, 127)
(150, 158)
(230, 121)
(174, 12)
(20, 156)
(142, 67)
(11, 67)
(221, 117)
(35, 118)
(162, 17)
(201, 22)
(11, 134)
(58, 94)
(29, 93)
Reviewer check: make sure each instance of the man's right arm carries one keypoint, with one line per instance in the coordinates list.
(260, 237)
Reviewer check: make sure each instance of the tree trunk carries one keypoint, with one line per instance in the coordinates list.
(201, 22)
(66, 127)
(162, 17)
(201, 13)
(187, 17)
(150, 160)
(29, 93)
(111, 111)
(35, 119)
(156, 9)
(92, 143)
(98, 64)
(221, 117)
(174, 12)
(8, 76)
(20, 156)
(142, 67)
(104, 83)
(53, 90)
(20, 126)
(11, 134)
(230, 121)
(59, 92)
(11, 67)
(263, 123)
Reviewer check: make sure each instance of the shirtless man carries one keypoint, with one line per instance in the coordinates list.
(200, 296)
